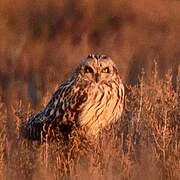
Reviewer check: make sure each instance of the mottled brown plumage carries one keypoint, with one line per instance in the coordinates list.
(92, 97)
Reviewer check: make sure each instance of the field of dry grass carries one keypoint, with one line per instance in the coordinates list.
(40, 43)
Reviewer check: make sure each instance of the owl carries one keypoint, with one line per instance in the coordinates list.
(91, 98)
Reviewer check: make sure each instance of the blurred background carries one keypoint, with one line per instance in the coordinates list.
(41, 41)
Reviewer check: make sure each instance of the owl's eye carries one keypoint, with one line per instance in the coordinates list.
(88, 69)
(106, 70)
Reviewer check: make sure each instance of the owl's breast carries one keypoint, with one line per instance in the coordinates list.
(102, 108)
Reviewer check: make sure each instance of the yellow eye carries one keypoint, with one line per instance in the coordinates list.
(88, 69)
(106, 70)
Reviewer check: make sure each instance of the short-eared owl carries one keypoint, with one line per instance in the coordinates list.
(92, 97)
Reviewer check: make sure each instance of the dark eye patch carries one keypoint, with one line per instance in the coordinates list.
(88, 69)
(106, 70)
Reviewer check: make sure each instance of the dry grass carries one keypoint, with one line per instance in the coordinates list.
(41, 41)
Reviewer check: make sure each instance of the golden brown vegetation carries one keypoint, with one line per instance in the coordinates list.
(40, 43)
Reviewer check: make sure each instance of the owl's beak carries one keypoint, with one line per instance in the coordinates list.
(96, 77)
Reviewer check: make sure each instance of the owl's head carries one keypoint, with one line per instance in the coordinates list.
(98, 68)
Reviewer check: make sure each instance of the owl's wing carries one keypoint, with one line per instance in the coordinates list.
(67, 98)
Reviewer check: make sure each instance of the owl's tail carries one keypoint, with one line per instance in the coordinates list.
(34, 127)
